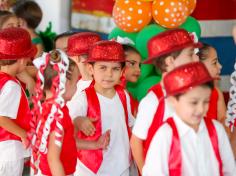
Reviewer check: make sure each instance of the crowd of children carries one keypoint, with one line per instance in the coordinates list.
(84, 122)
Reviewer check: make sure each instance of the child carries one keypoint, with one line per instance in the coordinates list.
(208, 56)
(16, 48)
(188, 144)
(166, 50)
(61, 40)
(31, 15)
(53, 137)
(8, 19)
(78, 48)
(108, 104)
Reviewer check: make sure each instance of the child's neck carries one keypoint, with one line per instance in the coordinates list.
(9, 69)
(106, 92)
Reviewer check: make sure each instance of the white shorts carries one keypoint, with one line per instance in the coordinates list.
(12, 168)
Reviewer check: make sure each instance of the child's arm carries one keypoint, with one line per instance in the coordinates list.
(233, 142)
(12, 127)
(136, 145)
(53, 157)
(221, 111)
(101, 143)
(85, 124)
(28, 80)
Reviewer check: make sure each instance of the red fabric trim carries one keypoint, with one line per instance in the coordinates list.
(158, 117)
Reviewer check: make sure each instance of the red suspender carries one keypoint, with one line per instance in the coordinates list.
(122, 96)
(175, 150)
(158, 117)
(214, 141)
(175, 159)
(92, 158)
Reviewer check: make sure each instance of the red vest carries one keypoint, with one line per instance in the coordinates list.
(23, 115)
(158, 117)
(68, 150)
(92, 159)
(175, 159)
(212, 111)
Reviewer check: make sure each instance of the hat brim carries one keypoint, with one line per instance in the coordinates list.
(149, 60)
(71, 53)
(89, 60)
(28, 54)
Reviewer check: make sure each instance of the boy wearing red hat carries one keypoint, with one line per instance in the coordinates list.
(187, 143)
(107, 151)
(78, 48)
(16, 48)
(166, 51)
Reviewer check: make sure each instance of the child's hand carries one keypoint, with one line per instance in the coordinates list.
(86, 126)
(25, 142)
(104, 140)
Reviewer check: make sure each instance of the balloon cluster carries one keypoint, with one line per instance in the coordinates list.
(140, 20)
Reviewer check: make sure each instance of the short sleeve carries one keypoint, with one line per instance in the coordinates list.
(10, 96)
(131, 118)
(78, 106)
(156, 162)
(145, 115)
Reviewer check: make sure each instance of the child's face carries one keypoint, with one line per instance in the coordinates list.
(11, 22)
(187, 55)
(192, 106)
(132, 66)
(71, 84)
(61, 43)
(22, 64)
(212, 64)
(106, 74)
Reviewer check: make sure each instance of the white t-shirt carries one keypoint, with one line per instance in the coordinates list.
(146, 111)
(10, 96)
(81, 85)
(116, 157)
(198, 157)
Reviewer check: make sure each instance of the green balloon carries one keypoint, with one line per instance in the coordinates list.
(145, 85)
(145, 35)
(119, 32)
(192, 25)
(146, 70)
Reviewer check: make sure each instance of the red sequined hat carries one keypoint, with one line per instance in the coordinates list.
(106, 51)
(168, 42)
(79, 44)
(185, 77)
(15, 43)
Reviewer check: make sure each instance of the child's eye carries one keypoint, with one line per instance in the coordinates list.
(193, 103)
(116, 69)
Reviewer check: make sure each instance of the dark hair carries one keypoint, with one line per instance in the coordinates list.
(7, 62)
(209, 85)
(129, 48)
(29, 11)
(121, 63)
(64, 34)
(50, 73)
(160, 62)
(204, 51)
(4, 12)
(4, 17)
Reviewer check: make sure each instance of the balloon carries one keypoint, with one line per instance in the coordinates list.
(145, 35)
(131, 15)
(146, 70)
(118, 32)
(169, 13)
(145, 85)
(191, 4)
(192, 25)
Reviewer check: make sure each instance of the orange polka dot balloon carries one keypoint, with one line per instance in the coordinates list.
(169, 13)
(132, 15)
(191, 4)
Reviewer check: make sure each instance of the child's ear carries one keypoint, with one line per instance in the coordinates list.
(170, 64)
(173, 100)
(90, 68)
